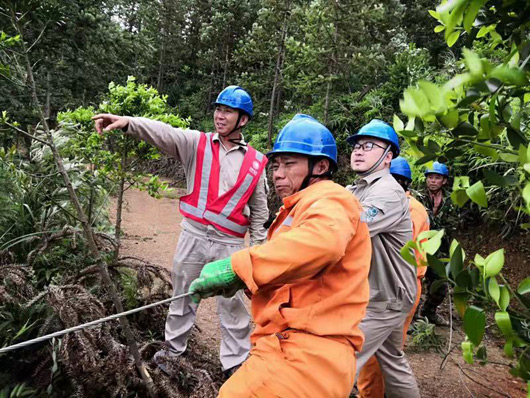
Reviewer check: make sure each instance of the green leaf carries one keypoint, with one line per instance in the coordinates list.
(453, 37)
(465, 129)
(482, 354)
(477, 194)
(425, 159)
(459, 197)
(526, 194)
(432, 245)
(408, 254)
(502, 319)
(456, 264)
(496, 179)
(515, 137)
(434, 14)
(407, 133)
(463, 280)
(509, 157)
(437, 265)
(473, 63)
(508, 75)
(508, 348)
(475, 277)
(467, 351)
(450, 119)
(439, 28)
(494, 290)
(398, 124)
(474, 324)
(494, 263)
(460, 302)
(524, 286)
(504, 300)
(471, 14)
(489, 152)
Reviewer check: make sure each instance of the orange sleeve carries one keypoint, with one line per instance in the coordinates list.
(319, 235)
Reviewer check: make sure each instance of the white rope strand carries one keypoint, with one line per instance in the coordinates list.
(89, 324)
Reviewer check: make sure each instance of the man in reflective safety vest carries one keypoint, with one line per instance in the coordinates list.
(309, 282)
(371, 383)
(226, 197)
(392, 279)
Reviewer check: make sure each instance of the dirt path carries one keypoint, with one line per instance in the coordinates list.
(152, 228)
(151, 231)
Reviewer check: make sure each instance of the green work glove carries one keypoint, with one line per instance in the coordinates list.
(216, 279)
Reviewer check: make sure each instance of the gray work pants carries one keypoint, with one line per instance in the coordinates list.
(383, 332)
(192, 254)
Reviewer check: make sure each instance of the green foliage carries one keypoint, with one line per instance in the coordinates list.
(424, 336)
(476, 291)
(115, 157)
(482, 113)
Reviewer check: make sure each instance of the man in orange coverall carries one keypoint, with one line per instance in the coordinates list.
(371, 383)
(309, 282)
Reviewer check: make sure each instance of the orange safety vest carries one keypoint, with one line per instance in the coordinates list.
(204, 204)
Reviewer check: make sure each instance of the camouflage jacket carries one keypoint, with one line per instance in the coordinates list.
(446, 218)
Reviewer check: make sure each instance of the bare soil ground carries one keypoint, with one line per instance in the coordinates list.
(151, 232)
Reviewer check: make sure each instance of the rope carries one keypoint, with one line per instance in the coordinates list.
(89, 324)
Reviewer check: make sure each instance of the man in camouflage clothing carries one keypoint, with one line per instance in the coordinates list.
(441, 216)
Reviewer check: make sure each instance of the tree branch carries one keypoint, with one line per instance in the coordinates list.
(27, 134)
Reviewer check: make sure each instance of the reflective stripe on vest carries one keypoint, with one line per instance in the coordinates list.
(203, 211)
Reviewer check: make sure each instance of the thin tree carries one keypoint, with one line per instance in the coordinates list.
(80, 213)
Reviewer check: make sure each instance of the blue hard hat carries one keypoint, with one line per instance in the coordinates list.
(437, 168)
(400, 167)
(307, 136)
(377, 129)
(237, 98)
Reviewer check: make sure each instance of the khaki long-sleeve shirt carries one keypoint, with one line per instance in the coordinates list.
(386, 211)
(182, 145)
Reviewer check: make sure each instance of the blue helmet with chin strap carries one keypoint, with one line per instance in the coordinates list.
(306, 136)
(237, 98)
(437, 168)
(401, 167)
(378, 129)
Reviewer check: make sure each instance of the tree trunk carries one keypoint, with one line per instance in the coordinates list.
(161, 58)
(47, 110)
(279, 62)
(87, 230)
(332, 66)
(227, 62)
(119, 205)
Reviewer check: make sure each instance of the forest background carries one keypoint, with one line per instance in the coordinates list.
(454, 82)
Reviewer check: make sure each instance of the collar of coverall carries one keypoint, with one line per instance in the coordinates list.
(290, 201)
(373, 176)
(241, 144)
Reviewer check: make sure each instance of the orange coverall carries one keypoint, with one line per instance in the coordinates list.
(310, 290)
(370, 382)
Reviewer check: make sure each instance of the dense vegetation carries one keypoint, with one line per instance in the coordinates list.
(454, 81)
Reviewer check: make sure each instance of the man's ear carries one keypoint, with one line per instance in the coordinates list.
(388, 158)
(244, 120)
(321, 167)
(444, 181)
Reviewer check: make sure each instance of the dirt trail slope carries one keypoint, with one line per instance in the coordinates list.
(151, 233)
(152, 227)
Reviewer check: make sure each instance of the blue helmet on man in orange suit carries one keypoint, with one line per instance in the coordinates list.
(305, 135)
(401, 167)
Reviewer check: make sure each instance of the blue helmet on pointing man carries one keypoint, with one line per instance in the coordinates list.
(237, 98)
